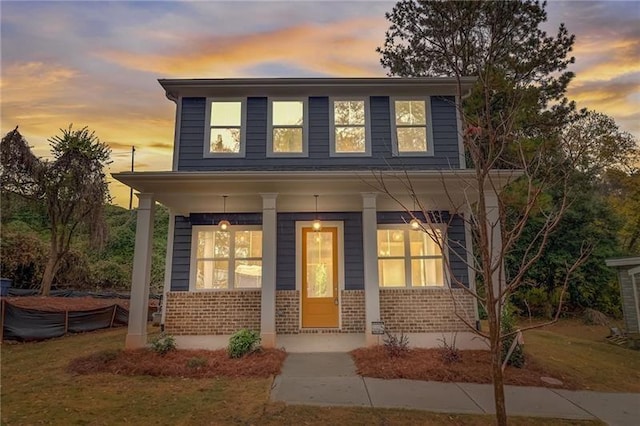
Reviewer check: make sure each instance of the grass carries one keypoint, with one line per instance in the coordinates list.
(36, 388)
(578, 353)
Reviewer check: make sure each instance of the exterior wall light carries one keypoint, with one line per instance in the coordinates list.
(224, 223)
(317, 225)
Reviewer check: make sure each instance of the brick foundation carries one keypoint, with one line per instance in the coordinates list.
(212, 313)
(425, 310)
(352, 311)
(287, 311)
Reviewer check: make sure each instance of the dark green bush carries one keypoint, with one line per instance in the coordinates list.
(163, 344)
(508, 325)
(243, 342)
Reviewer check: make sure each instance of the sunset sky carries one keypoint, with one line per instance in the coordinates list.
(96, 64)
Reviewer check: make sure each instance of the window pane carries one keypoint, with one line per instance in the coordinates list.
(205, 244)
(410, 112)
(391, 273)
(212, 274)
(221, 244)
(225, 140)
(319, 256)
(348, 112)
(288, 113)
(390, 243)
(426, 272)
(287, 140)
(423, 245)
(248, 274)
(350, 139)
(412, 139)
(226, 113)
(248, 244)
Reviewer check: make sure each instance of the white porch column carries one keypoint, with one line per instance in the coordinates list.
(495, 235)
(370, 256)
(139, 302)
(168, 264)
(268, 292)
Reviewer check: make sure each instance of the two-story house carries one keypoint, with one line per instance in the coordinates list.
(279, 223)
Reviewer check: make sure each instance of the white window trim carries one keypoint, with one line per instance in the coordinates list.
(325, 224)
(305, 128)
(243, 129)
(407, 257)
(194, 259)
(429, 126)
(367, 127)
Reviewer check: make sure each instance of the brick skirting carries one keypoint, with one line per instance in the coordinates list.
(352, 311)
(425, 310)
(212, 312)
(287, 311)
(225, 312)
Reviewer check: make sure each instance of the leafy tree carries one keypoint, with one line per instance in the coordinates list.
(72, 187)
(513, 119)
(622, 190)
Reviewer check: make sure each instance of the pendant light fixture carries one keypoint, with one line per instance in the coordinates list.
(317, 225)
(415, 222)
(224, 223)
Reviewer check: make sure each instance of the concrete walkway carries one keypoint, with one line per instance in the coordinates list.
(330, 379)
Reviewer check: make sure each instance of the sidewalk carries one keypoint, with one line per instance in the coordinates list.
(330, 379)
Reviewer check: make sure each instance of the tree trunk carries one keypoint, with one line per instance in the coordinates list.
(50, 271)
(496, 364)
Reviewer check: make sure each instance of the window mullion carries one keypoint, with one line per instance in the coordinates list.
(232, 257)
(407, 259)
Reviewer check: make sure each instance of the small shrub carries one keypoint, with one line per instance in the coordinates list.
(107, 356)
(508, 325)
(450, 353)
(594, 317)
(163, 344)
(243, 342)
(396, 346)
(196, 363)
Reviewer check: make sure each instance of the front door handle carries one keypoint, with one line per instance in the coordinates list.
(335, 301)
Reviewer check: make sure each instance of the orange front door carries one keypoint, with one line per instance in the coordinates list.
(320, 303)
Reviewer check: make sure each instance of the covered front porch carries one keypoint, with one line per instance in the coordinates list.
(272, 194)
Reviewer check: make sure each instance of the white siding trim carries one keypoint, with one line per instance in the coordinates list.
(176, 135)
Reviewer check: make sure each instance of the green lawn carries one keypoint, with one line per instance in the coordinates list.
(580, 353)
(37, 389)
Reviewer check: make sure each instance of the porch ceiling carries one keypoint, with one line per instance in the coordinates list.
(185, 192)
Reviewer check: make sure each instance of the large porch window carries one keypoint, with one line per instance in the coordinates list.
(409, 258)
(227, 259)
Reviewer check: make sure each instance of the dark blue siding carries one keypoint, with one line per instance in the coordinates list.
(192, 141)
(455, 234)
(353, 260)
(181, 254)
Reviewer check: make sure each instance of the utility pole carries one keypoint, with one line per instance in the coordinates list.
(133, 154)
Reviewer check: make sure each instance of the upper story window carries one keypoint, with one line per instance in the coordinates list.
(409, 258)
(349, 132)
(287, 128)
(411, 127)
(226, 259)
(226, 127)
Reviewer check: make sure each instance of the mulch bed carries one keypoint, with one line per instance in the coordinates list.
(428, 364)
(61, 304)
(181, 363)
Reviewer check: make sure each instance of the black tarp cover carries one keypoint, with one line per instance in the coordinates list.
(30, 324)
